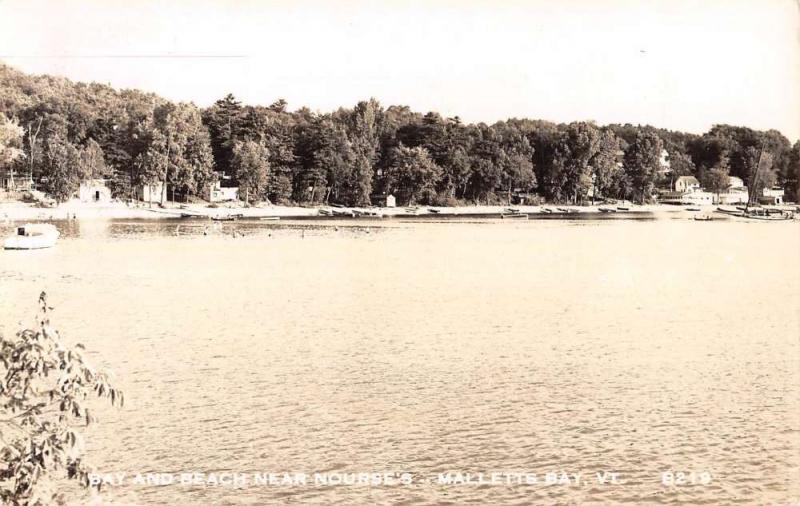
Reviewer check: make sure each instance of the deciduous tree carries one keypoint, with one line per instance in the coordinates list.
(250, 166)
(642, 161)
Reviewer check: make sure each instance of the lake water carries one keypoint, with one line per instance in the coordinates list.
(637, 347)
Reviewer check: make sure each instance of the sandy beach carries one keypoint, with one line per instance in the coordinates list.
(19, 211)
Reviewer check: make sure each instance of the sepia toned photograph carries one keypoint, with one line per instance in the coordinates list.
(399, 252)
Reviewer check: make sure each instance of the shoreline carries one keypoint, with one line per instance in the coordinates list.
(19, 211)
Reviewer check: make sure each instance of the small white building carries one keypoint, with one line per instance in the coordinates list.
(384, 200)
(736, 193)
(735, 182)
(772, 196)
(734, 196)
(219, 193)
(686, 184)
(94, 190)
(698, 198)
(152, 193)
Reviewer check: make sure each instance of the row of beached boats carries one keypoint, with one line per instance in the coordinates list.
(44, 235)
(759, 213)
(228, 217)
(350, 213)
(752, 210)
(506, 213)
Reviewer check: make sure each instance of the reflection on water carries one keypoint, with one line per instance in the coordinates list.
(637, 347)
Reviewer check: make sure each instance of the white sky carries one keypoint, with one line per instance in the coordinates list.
(672, 63)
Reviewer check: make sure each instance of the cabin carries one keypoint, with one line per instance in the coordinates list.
(219, 193)
(698, 198)
(384, 200)
(522, 198)
(734, 196)
(95, 191)
(772, 196)
(15, 182)
(686, 184)
(151, 193)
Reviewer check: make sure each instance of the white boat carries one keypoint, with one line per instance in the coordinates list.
(32, 236)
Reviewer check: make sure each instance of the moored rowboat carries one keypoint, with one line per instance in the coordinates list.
(33, 236)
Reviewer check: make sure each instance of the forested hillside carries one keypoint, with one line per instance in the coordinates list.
(66, 132)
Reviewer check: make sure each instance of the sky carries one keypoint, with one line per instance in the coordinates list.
(677, 64)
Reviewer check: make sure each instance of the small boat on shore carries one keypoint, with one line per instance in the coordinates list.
(223, 218)
(731, 212)
(760, 213)
(325, 212)
(434, 211)
(517, 215)
(33, 236)
(270, 218)
(752, 210)
(623, 208)
(695, 209)
(703, 217)
(607, 210)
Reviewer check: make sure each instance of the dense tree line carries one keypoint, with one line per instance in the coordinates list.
(60, 133)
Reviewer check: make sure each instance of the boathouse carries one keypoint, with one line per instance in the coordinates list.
(384, 200)
(94, 190)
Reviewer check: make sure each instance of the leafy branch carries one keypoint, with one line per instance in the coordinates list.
(45, 391)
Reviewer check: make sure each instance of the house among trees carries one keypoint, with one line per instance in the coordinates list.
(219, 193)
(151, 193)
(736, 192)
(14, 182)
(94, 190)
(686, 184)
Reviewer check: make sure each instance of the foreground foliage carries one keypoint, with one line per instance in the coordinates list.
(45, 388)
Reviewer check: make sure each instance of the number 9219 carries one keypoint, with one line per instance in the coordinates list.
(679, 478)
